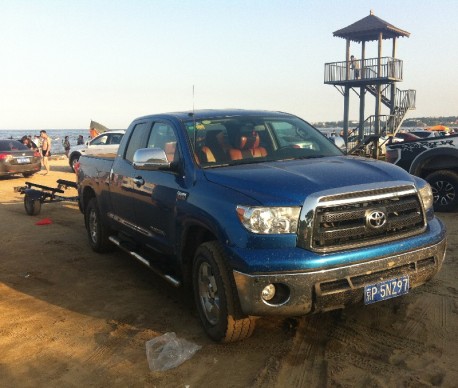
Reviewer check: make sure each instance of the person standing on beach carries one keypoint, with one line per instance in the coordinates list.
(45, 149)
(354, 63)
(66, 144)
(80, 140)
(37, 141)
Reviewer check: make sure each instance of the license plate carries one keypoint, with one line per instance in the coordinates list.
(386, 290)
(23, 160)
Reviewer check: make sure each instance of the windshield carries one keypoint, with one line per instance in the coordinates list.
(242, 140)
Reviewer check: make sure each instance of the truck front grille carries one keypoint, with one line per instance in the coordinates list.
(363, 218)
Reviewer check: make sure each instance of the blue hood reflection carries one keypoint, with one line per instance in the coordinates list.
(290, 182)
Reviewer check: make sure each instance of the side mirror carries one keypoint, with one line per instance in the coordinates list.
(150, 159)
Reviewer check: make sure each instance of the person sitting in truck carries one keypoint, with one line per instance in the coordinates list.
(247, 146)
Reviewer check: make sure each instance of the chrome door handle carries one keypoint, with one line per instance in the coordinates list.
(139, 181)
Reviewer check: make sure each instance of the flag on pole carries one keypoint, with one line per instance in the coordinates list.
(96, 129)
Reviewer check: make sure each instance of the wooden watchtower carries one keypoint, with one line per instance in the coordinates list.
(377, 76)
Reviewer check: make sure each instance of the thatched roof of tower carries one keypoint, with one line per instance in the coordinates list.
(369, 28)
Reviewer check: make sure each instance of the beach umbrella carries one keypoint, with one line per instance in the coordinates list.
(438, 128)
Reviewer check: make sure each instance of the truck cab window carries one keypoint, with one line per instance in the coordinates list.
(137, 140)
(163, 136)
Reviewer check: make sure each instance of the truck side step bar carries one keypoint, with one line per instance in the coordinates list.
(118, 242)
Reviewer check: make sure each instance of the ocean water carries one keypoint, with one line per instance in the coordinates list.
(329, 131)
(57, 136)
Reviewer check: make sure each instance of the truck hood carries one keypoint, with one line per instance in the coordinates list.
(290, 182)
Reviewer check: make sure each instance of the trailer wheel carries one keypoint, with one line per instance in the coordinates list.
(444, 185)
(32, 206)
(97, 231)
(216, 296)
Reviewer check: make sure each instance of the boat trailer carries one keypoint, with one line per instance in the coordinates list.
(35, 195)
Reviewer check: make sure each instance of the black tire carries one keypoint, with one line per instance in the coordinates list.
(97, 231)
(74, 158)
(444, 184)
(27, 174)
(216, 296)
(32, 206)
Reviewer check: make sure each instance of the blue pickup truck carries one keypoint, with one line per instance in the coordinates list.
(259, 214)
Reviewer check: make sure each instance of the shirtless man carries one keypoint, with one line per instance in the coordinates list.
(354, 63)
(45, 149)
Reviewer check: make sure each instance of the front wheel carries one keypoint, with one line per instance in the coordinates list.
(216, 296)
(73, 160)
(444, 185)
(97, 231)
(32, 206)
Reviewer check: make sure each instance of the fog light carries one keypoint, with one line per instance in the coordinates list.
(268, 292)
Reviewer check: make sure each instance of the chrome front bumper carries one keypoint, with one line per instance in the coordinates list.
(329, 289)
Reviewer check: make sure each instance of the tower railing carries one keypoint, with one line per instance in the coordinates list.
(370, 69)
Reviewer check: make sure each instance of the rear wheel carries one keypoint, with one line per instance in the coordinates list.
(27, 174)
(97, 231)
(444, 185)
(32, 206)
(216, 296)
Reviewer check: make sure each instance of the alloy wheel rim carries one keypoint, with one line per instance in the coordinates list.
(443, 193)
(208, 293)
(93, 225)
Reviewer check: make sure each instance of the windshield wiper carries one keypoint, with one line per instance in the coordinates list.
(311, 156)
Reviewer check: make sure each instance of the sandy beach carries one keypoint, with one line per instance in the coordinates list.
(74, 318)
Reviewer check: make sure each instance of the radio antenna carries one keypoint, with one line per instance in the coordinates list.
(194, 120)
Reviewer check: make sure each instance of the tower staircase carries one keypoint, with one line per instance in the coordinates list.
(389, 125)
(404, 100)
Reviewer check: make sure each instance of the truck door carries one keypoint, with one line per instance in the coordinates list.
(155, 193)
(121, 179)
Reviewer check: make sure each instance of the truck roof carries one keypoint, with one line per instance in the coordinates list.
(206, 113)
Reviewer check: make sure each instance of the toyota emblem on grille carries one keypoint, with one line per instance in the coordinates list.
(375, 219)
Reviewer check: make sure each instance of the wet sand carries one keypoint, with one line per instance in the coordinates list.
(72, 318)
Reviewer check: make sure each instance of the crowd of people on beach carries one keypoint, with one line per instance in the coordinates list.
(41, 144)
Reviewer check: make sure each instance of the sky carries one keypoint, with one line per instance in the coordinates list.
(64, 62)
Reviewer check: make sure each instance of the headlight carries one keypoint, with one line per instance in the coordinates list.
(426, 195)
(269, 220)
